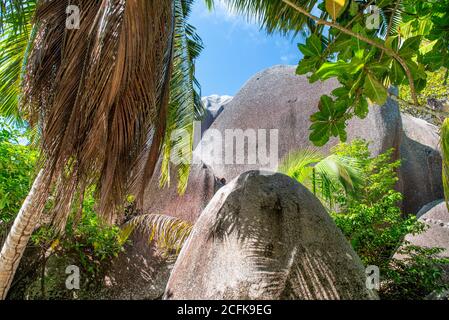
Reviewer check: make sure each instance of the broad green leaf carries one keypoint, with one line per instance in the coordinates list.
(420, 84)
(312, 47)
(378, 68)
(397, 73)
(306, 65)
(340, 92)
(326, 105)
(342, 43)
(392, 43)
(412, 43)
(320, 134)
(329, 70)
(375, 90)
(354, 8)
(361, 108)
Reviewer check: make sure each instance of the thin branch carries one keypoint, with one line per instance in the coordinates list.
(390, 24)
(388, 51)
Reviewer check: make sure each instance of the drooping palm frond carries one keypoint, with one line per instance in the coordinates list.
(100, 96)
(167, 233)
(390, 19)
(185, 99)
(15, 33)
(324, 176)
(444, 141)
(299, 164)
(334, 173)
(273, 15)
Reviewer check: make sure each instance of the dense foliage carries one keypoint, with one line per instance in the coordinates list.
(87, 243)
(372, 221)
(412, 37)
(17, 170)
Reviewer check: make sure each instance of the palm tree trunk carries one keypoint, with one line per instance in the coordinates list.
(20, 232)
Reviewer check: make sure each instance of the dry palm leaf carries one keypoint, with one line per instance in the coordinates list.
(100, 94)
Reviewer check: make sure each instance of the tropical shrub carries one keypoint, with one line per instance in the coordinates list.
(17, 164)
(17, 170)
(414, 276)
(87, 242)
(86, 237)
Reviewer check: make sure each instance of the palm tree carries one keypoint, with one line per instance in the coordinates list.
(103, 98)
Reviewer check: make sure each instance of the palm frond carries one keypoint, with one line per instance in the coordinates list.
(185, 99)
(15, 13)
(15, 34)
(337, 172)
(390, 19)
(324, 176)
(273, 15)
(299, 164)
(100, 95)
(168, 233)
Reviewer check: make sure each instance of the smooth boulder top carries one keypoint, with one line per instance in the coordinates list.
(437, 235)
(265, 236)
(278, 99)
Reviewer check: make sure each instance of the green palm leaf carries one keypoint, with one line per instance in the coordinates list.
(185, 99)
(15, 34)
(324, 176)
(168, 233)
(273, 15)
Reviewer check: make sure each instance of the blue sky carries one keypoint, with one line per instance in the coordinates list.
(235, 49)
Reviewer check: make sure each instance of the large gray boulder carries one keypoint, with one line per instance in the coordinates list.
(266, 237)
(214, 105)
(437, 234)
(278, 99)
(420, 173)
(201, 187)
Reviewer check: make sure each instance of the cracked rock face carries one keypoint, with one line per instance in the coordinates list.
(266, 237)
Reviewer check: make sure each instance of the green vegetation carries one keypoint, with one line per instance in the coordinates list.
(373, 223)
(17, 170)
(435, 98)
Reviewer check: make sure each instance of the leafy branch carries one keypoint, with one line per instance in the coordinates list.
(367, 40)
